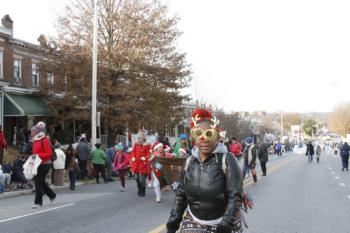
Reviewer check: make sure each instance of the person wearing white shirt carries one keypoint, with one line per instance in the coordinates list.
(58, 165)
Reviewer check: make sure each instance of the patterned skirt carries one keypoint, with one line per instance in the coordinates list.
(189, 225)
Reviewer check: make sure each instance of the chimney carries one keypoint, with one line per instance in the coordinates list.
(7, 22)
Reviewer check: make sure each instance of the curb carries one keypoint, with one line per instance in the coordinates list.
(11, 194)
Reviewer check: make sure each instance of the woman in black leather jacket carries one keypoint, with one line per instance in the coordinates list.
(211, 185)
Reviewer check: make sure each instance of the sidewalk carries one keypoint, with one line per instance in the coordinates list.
(21, 192)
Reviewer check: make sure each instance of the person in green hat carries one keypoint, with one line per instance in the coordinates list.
(99, 162)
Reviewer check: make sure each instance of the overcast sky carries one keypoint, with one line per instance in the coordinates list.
(246, 55)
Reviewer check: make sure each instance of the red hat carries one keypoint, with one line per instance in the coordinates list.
(201, 114)
(157, 145)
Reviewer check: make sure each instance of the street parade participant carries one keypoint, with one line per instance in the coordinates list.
(236, 148)
(121, 163)
(158, 151)
(181, 142)
(210, 187)
(139, 162)
(42, 148)
(249, 158)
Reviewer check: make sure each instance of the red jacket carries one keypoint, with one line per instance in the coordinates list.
(3, 143)
(236, 149)
(139, 159)
(42, 148)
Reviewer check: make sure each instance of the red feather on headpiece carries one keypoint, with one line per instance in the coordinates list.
(203, 114)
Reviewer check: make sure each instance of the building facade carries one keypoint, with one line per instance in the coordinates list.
(20, 102)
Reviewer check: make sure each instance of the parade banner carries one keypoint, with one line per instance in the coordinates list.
(168, 170)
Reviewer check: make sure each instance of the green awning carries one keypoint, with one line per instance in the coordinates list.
(24, 105)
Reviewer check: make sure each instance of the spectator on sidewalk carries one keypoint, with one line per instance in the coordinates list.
(5, 180)
(99, 162)
(71, 166)
(109, 162)
(83, 155)
(263, 155)
(3, 145)
(58, 166)
(42, 148)
(344, 153)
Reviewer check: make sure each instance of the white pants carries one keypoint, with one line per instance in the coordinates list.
(156, 186)
(5, 178)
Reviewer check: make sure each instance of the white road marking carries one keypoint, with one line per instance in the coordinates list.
(336, 177)
(342, 184)
(349, 196)
(330, 168)
(35, 213)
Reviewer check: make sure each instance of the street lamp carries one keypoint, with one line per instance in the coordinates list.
(94, 79)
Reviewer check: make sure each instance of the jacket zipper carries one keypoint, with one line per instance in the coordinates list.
(199, 188)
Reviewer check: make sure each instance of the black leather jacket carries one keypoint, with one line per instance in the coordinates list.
(208, 192)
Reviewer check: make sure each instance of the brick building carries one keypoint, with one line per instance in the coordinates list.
(20, 103)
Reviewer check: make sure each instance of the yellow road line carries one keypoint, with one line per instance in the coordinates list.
(246, 183)
(158, 229)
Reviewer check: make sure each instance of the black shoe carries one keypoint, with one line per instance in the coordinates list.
(72, 188)
(105, 181)
(142, 194)
(97, 182)
(342, 169)
(263, 174)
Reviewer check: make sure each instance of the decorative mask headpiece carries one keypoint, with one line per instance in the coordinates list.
(198, 116)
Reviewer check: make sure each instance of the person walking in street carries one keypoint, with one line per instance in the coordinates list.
(121, 164)
(263, 155)
(236, 148)
(3, 145)
(309, 152)
(58, 165)
(344, 153)
(139, 163)
(71, 166)
(210, 193)
(99, 162)
(83, 155)
(109, 163)
(318, 152)
(249, 159)
(279, 149)
(42, 148)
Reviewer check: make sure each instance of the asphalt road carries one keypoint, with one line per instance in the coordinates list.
(295, 197)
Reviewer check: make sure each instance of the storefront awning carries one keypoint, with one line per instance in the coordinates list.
(24, 105)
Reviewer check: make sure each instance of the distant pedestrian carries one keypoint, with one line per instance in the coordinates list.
(310, 152)
(58, 166)
(99, 162)
(249, 158)
(279, 149)
(121, 164)
(344, 153)
(318, 152)
(83, 155)
(71, 166)
(3, 145)
(236, 148)
(263, 154)
(42, 148)
(109, 163)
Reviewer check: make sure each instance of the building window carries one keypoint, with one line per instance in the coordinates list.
(17, 70)
(1, 64)
(35, 76)
(50, 78)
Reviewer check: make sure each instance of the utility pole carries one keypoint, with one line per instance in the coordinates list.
(94, 79)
